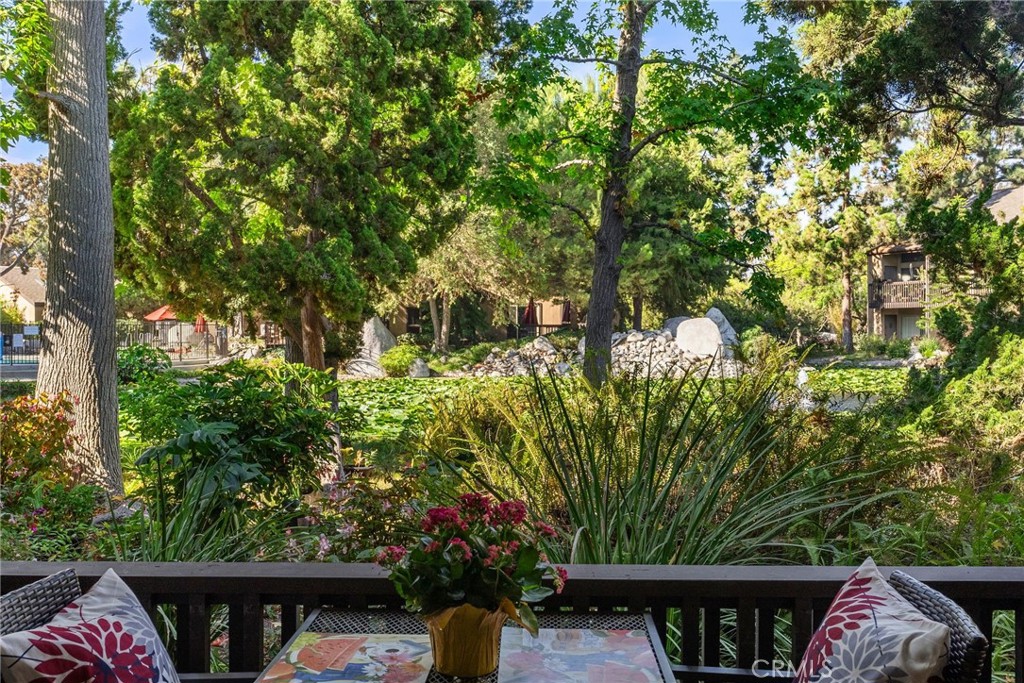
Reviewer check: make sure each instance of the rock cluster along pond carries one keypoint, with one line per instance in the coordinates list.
(674, 350)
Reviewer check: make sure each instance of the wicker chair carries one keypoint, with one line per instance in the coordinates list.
(33, 605)
(967, 645)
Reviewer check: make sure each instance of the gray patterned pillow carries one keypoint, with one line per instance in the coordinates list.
(871, 633)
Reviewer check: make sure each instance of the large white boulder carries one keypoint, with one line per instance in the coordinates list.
(729, 336)
(699, 337)
(377, 339)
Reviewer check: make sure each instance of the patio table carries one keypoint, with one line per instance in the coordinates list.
(337, 646)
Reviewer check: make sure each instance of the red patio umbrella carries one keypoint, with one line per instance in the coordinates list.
(529, 315)
(162, 313)
(200, 324)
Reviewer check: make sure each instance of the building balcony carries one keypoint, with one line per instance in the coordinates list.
(910, 294)
(913, 294)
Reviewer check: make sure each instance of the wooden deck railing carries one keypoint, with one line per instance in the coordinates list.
(722, 623)
(915, 294)
(911, 294)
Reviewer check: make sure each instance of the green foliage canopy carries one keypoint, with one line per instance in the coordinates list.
(296, 154)
(963, 58)
(762, 99)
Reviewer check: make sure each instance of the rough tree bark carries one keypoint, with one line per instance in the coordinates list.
(312, 333)
(847, 309)
(612, 230)
(292, 329)
(435, 322)
(310, 319)
(638, 312)
(446, 322)
(79, 345)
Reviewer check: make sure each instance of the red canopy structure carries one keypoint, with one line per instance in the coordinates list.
(529, 318)
(162, 313)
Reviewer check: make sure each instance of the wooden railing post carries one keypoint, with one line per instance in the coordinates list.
(245, 634)
(193, 632)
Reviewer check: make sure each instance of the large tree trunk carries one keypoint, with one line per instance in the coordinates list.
(847, 309)
(435, 322)
(638, 312)
(612, 231)
(80, 344)
(309, 315)
(312, 333)
(292, 340)
(446, 322)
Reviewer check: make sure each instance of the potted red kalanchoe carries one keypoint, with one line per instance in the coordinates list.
(475, 565)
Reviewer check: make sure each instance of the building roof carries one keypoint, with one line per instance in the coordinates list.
(30, 284)
(1007, 204)
(908, 248)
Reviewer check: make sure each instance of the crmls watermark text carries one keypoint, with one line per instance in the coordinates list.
(764, 668)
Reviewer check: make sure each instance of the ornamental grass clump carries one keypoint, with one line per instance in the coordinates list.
(477, 552)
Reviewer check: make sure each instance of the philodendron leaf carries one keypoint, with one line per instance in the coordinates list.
(528, 619)
(526, 561)
(536, 593)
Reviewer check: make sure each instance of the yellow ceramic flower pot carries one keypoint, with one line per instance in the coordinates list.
(465, 640)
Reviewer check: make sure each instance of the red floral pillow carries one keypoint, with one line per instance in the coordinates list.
(871, 633)
(103, 636)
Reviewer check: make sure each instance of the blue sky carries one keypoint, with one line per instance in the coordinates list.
(137, 34)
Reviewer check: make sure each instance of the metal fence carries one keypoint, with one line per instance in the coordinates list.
(21, 344)
(526, 331)
(181, 340)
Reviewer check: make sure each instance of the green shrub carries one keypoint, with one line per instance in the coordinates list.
(10, 314)
(14, 388)
(898, 348)
(863, 383)
(44, 509)
(994, 392)
(281, 418)
(756, 344)
(139, 362)
(396, 361)
(659, 471)
(928, 346)
(371, 510)
(566, 340)
(950, 324)
(192, 524)
(46, 520)
(393, 412)
(36, 439)
(872, 345)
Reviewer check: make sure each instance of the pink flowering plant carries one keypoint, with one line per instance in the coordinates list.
(479, 552)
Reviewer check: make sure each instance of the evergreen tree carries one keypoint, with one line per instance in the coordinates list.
(293, 159)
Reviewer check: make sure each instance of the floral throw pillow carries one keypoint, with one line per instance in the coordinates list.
(871, 633)
(104, 636)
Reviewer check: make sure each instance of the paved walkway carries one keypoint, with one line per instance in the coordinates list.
(12, 372)
(18, 371)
